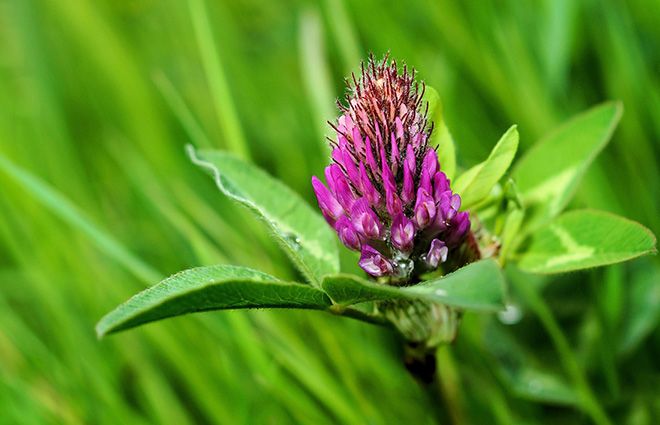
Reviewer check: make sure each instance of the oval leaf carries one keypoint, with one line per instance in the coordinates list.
(548, 175)
(303, 233)
(475, 184)
(583, 239)
(210, 288)
(477, 286)
(441, 138)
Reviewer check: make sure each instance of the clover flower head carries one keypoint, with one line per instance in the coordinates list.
(385, 194)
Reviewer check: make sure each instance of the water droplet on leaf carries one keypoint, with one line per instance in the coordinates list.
(511, 315)
(292, 240)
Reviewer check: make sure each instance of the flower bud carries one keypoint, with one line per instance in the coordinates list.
(437, 253)
(374, 263)
(365, 221)
(330, 208)
(424, 209)
(402, 233)
(347, 233)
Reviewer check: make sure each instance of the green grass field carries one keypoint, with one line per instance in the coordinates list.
(98, 200)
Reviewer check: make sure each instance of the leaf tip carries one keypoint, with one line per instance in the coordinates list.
(106, 326)
(513, 130)
(101, 330)
(618, 107)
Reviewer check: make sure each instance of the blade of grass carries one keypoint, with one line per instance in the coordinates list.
(221, 94)
(588, 400)
(315, 71)
(66, 211)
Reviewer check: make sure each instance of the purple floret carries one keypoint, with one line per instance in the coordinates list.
(386, 195)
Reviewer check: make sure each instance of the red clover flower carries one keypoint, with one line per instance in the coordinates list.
(386, 195)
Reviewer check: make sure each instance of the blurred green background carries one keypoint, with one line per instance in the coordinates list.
(98, 200)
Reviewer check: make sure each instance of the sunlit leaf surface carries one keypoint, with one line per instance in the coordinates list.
(476, 183)
(583, 239)
(548, 175)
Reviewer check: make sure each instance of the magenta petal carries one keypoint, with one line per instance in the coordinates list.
(394, 154)
(329, 206)
(392, 201)
(425, 210)
(339, 186)
(440, 184)
(437, 253)
(455, 202)
(337, 154)
(459, 228)
(330, 176)
(408, 192)
(399, 128)
(430, 162)
(357, 140)
(374, 263)
(447, 204)
(345, 123)
(369, 156)
(417, 140)
(429, 168)
(347, 233)
(379, 140)
(365, 220)
(402, 233)
(351, 169)
(367, 187)
(411, 160)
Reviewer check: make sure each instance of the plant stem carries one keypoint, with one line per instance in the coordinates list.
(438, 402)
(440, 389)
(448, 380)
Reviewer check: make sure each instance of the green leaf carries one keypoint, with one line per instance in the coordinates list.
(582, 239)
(548, 175)
(62, 207)
(210, 288)
(475, 184)
(508, 238)
(477, 286)
(303, 233)
(441, 138)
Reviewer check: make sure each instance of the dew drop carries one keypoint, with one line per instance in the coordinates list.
(292, 240)
(441, 292)
(403, 266)
(511, 315)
